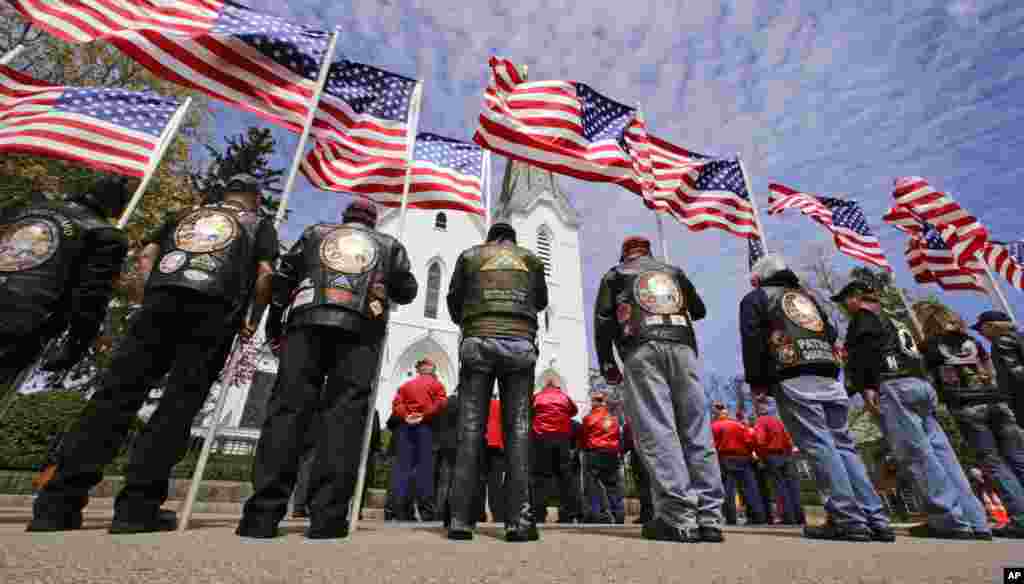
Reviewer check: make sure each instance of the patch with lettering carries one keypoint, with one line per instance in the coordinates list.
(658, 293)
(338, 295)
(504, 295)
(342, 282)
(205, 262)
(206, 230)
(653, 321)
(786, 354)
(801, 310)
(348, 251)
(504, 260)
(196, 275)
(679, 320)
(172, 262)
(27, 243)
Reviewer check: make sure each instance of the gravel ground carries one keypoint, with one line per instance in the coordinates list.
(382, 552)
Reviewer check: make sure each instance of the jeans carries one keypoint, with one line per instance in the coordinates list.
(553, 461)
(603, 470)
(908, 421)
(740, 471)
(991, 430)
(415, 458)
(672, 429)
(820, 429)
(779, 470)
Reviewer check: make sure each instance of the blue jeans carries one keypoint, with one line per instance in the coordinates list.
(820, 429)
(415, 455)
(666, 403)
(919, 444)
(780, 471)
(991, 430)
(740, 471)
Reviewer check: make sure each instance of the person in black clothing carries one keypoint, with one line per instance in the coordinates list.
(446, 443)
(58, 263)
(202, 267)
(338, 282)
(966, 384)
(1007, 356)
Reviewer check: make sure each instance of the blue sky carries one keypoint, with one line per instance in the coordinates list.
(829, 97)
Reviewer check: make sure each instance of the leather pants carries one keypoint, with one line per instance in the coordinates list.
(485, 361)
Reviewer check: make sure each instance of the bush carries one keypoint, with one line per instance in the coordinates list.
(31, 423)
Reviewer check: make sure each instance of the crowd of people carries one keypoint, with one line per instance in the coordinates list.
(329, 299)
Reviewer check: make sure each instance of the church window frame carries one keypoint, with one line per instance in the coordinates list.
(432, 300)
(545, 249)
(441, 221)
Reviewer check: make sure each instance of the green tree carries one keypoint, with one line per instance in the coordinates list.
(247, 153)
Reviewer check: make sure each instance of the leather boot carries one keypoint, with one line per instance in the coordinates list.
(522, 528)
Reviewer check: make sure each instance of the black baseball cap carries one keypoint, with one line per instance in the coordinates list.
(990, 316)
(854, 287)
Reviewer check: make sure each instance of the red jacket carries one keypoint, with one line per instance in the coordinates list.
(732, 438)
(771, 437)
(423, 394)
(495, 437)
(600, 431)
(552, 413)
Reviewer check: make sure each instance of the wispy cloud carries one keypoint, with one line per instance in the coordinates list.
(831, 97)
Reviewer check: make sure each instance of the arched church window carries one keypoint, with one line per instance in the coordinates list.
(441, 222)
(433, 290)
(544, 248)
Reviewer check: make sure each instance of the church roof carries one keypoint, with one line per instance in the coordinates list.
(525, 186)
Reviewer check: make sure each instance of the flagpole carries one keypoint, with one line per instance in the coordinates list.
(166, 138)
(11, 54)
(238, 348)
(356, 505)
(414, 121)
(910, 311)
(994, 287)
(293, 172)
(753, 203)
(487, 190)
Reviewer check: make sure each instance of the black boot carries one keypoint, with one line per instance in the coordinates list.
(160, 520)
(522, 528)
(426, 507)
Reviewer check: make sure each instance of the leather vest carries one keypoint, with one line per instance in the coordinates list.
(962, 376)
(40, 245)
(500, 291)
(797, 336)
(210, 250)
(345, 267)
(900, 354)
(652, 306)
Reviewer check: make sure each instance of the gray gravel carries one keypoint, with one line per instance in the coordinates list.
(403, 554)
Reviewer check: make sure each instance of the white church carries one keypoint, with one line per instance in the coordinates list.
(545, 222)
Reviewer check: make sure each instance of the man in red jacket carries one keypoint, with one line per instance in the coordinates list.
(600, 443)
(735, 445)
(774, 447)
(552, 437)
(416, 403)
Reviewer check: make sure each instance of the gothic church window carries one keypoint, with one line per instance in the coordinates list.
(433, 290)
(544, 249)
(441, 222)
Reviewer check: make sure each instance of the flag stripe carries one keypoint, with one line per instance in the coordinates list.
(999, 259)
(940, 210)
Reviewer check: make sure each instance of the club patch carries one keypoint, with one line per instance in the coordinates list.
(623, 312)
(658, 293)
(196, 275)
(802, 311)
(205, 231)
(172, 262)
(27, 244)
(504, 260)
(338, 295)
(376, 308)
(205, 262)
(348, 251)
(342, 282)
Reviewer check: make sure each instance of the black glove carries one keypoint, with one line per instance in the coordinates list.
(68, 355)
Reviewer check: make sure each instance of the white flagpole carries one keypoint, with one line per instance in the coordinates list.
(998, 291)
(166, 138)
(657, 215)
(487, 191)
(239, 347)
(356, 505)
(11, 54)
(910, 311)
(414, 122)
(293, 172)
(753, 203)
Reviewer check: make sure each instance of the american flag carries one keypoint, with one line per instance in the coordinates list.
(446, 174)
(940, 210)
(255, 62)
(1007, 259)
(844, 219)
(755, 251)
(931, 260)
(366, 109)
(677, 172)
(562, 126)
(111, 130)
